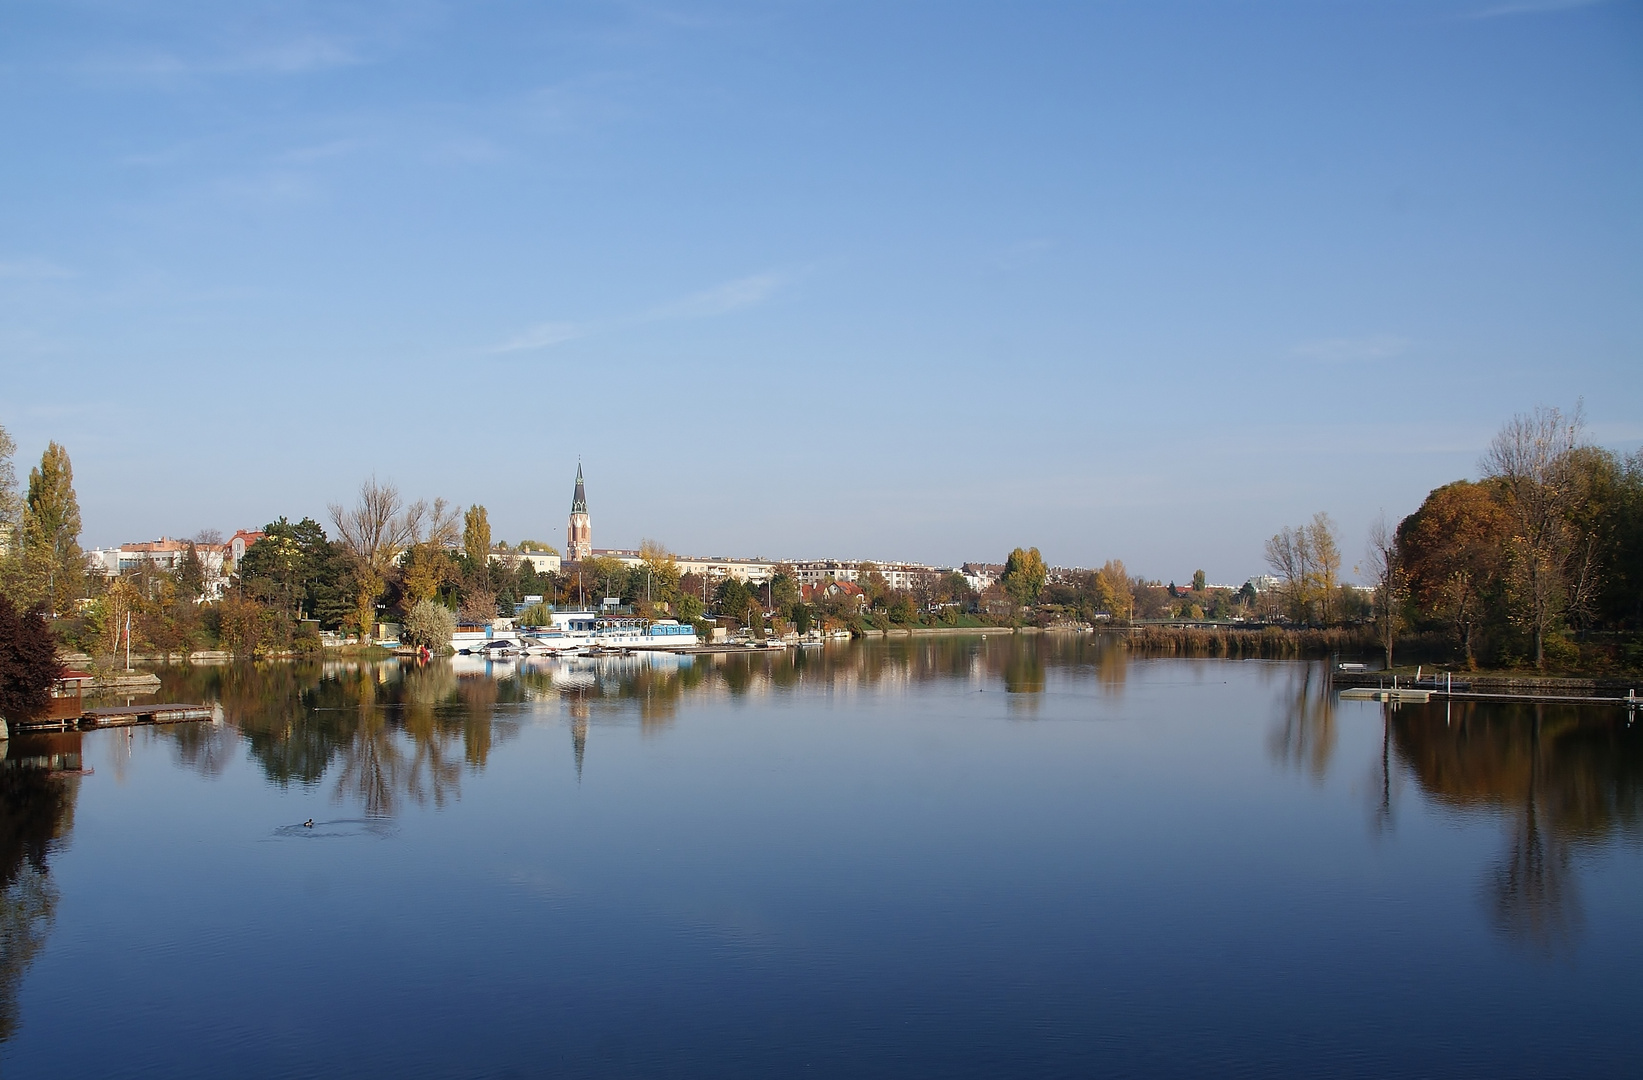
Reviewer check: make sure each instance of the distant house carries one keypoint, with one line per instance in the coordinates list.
(540, 561)
(981, 576)
(164, 554)
(238, 543)
(833, 591)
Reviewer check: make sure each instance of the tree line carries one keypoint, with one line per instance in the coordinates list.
(1537, 562)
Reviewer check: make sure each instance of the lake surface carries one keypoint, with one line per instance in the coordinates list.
(1030, 856)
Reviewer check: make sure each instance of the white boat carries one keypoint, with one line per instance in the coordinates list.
(475, 640)
(615, 632)
(576, 631)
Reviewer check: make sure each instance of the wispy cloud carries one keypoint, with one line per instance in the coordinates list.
(1019, 256)
(1530, 7)
(542, 336)
(294, 56)
(32, 269)
(311, 53)
(1347, 350)
(319, 151)
(721, 299)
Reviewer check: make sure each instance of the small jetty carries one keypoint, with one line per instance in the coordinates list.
(1357, 683)
(114, 716)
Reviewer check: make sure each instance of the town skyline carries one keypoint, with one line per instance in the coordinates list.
(166, 549)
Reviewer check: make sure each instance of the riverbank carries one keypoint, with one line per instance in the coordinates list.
(1267, 642)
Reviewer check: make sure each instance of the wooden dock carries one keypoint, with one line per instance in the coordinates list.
(117, 716)
(1446, 686)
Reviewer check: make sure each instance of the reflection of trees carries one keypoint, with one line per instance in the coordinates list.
(1564, 775)
(36, 813)
(387, 733)
(1305, 735)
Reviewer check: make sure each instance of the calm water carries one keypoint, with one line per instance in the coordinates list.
(956, 857)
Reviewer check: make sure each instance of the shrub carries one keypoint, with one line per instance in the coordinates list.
(429, 624)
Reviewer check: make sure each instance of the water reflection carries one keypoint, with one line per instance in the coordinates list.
(1304, 735)
(39, 782)
(384, 736)
(1563, 777)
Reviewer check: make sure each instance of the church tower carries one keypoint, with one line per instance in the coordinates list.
(579, 534)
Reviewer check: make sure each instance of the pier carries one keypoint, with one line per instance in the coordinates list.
(116, 716)
(1529, 689)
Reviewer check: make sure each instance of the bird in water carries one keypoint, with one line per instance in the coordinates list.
(309, 824)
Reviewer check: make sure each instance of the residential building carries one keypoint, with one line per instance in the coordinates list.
(164, 554)
(540, 561)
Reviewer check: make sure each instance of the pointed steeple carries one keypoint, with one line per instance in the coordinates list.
(579, 503)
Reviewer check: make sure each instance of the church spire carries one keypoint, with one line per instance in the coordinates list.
(578, 532)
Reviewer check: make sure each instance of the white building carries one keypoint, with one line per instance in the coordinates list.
(164, 554)
(541, 561)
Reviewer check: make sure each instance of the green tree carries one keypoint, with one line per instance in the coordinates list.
(784, 593)
(190, 575)
(476, 536)
(1198, 581)
(732, 599)
(51, 530)
(1024, 576)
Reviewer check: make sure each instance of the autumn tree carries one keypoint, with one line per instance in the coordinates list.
(605, 574)
(11, 511)
(476, 536)
(1452, 551)
(1307, 560)
(374, 531)
(657, 574)
(1531, 460)
(53, 567)
(1114, 591)
(1385, 568)
(1024, 575)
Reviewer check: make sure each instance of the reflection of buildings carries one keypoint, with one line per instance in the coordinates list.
(39, 782)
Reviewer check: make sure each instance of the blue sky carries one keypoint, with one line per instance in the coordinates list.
(881, 280)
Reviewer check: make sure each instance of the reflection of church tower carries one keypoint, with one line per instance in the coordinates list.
(579, 534)
(579, 741)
